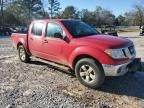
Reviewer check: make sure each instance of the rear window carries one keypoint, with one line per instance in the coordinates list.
(37, 29)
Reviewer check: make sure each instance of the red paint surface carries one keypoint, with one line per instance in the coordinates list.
(63, 52)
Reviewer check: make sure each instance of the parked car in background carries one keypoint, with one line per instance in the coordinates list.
(22, 29)
(7, 30)
(91, 55)
(142, 31)
(109, 30)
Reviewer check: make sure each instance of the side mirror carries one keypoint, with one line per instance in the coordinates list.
(58, 35)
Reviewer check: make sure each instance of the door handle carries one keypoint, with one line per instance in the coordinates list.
(45, 41)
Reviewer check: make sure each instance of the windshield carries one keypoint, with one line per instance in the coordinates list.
(79, 28)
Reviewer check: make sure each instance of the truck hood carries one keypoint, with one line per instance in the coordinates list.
(104, 41)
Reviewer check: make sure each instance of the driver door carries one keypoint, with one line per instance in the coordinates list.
(53, 48)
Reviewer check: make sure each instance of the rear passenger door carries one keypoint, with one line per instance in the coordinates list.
(35, 38)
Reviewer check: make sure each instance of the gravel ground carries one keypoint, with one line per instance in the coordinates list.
(42, 85)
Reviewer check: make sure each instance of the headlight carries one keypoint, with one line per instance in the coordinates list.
(115, 53)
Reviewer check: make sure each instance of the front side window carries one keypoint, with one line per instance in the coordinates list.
(37, 29)
(52, 29)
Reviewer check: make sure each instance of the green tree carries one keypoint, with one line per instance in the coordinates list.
(103, 16)
(3, 5)
(98, 17)
(33, 8)
(87, 16)
(70, 12)
(26, 10)
(45, 15)
(17, 11)
(54, 7)
(120, 20)
(11, 19)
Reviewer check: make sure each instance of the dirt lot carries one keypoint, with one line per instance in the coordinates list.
(41, 85)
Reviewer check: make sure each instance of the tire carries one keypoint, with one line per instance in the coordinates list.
(89, 73)
(23, 56)
(140, 34)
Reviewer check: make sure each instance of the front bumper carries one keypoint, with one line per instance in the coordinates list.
(119, 70)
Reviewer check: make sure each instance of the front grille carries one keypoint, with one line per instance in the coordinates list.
(131, 49)
(124, 52)
(129, 52)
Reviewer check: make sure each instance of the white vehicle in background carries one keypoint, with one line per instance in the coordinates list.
(142, 31)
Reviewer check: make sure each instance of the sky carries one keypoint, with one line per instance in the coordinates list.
(116, 6)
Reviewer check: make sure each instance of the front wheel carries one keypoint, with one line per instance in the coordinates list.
(23, 56)
(89, 73)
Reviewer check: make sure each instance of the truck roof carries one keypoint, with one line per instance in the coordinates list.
(57, 20)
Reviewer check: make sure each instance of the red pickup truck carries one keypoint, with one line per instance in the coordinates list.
(73, 43)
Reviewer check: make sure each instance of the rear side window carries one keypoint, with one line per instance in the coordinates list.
(37, 29)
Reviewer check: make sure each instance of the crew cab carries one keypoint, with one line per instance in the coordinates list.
(73, 43)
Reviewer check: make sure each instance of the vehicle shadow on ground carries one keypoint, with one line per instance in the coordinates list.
(131, 84)
(67, 72)
(128, 84)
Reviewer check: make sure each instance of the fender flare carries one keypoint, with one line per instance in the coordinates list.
(92, 52)
(22, 42)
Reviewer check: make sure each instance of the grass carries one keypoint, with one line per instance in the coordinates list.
(121, 29)
(127, 30)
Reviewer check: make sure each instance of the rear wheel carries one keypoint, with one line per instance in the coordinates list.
(89, 73)
(23, 56)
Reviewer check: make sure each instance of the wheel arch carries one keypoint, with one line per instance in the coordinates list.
(81, 56)
(19, 43)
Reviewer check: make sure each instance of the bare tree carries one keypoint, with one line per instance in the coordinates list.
(136, 16)
(139, 14)
(54, 7)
